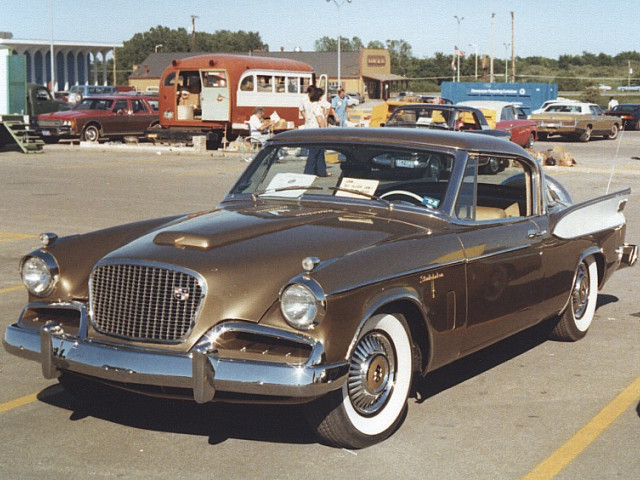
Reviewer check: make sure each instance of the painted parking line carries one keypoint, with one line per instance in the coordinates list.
(11, 289)
(8, 236)
(587, 435)
(18, 402)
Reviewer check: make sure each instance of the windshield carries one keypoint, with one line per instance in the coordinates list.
(94, 104)
(370, 173)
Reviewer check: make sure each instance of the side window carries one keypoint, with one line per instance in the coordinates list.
(120, 106)
(507, 114)
(264, 83)
(292, 84)
(495, 188)
(247, 83)
(304, 84)
(280, 84)
(137, 106)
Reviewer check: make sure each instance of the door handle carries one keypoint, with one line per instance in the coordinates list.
(536, 233)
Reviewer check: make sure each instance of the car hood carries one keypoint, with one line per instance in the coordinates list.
(247, 254)
(71, 114)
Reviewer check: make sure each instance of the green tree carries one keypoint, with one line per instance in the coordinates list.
(329, 44)
(138, 47)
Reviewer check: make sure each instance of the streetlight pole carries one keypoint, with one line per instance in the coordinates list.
(53, 60)
(475, 47)
(493, 15)
(506, 60)
(338, 4)
(457, 52)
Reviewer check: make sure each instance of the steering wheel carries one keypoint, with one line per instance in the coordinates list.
(415, 199)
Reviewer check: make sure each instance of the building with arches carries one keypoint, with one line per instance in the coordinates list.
(74, 62)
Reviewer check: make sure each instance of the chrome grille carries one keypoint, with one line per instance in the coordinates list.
(49, 123)
(144, 302)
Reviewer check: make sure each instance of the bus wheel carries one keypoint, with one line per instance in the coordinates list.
(213, 141)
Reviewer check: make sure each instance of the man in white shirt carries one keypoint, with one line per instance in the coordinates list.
(258, 127)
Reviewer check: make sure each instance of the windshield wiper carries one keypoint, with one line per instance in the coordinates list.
(255, 195)
(387, 203)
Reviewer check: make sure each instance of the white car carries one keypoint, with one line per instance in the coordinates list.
(352, 101)
(545, 105)
(604, 88)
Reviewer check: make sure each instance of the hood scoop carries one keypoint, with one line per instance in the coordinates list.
(184, 240)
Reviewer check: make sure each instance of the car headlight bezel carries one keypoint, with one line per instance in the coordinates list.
(303, 303)
(39, 272)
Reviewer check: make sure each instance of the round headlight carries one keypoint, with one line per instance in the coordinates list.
(37, 276)
(299, 306)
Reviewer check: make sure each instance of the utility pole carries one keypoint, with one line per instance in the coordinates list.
(513, 50)
(193, 32)
(493, 15)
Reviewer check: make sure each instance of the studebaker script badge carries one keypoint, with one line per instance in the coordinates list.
(431, 277)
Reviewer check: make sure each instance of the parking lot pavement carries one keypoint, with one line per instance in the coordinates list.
(502, 413)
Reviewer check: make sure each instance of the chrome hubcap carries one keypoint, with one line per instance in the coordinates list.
(371, 374)
(581, 291)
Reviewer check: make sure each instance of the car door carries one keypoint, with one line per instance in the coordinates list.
(508, 120)
(215, 98)
(601, 123)
(503, 250)
(140, 117)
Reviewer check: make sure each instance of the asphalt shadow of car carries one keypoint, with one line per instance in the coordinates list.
(274, 423)
(216, 421)
(484, 360)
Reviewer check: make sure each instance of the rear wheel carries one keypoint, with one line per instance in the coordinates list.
(91, 133)
(373, 401)
(613, 133)
(576, 319)
(586, 135)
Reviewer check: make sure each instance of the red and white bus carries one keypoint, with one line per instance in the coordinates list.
(214, 95)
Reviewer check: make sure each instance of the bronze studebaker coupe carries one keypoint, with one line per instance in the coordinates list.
(333, 289)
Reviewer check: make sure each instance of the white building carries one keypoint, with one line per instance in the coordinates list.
(72, 61)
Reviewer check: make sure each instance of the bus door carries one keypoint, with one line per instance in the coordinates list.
(215, 98)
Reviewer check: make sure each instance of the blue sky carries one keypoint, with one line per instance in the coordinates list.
(543, 27)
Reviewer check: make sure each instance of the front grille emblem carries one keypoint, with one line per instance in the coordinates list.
(181, 294)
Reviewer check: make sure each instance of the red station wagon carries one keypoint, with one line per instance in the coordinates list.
(96, 118)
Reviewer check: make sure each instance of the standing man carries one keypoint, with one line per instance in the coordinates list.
(339, 104)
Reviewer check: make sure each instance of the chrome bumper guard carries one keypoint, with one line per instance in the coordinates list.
(201, 370)
(628, 255)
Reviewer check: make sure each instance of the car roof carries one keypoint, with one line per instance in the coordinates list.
(401, 137)
(436, 106)
(487, 104)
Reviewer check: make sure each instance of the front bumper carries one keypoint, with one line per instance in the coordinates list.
(61, 131)
(201, 369)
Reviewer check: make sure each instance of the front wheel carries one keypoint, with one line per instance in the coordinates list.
(530, 141)
(373, 401)
(613, 133)
(576, 319)
(91, 134)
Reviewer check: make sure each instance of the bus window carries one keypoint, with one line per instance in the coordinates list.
(280, 84)
(247, 84)
(305, 82)
(292, 84)
(264, 83)
(214, 79)
(170, 80)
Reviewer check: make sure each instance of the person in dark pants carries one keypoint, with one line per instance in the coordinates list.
(314, 118)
